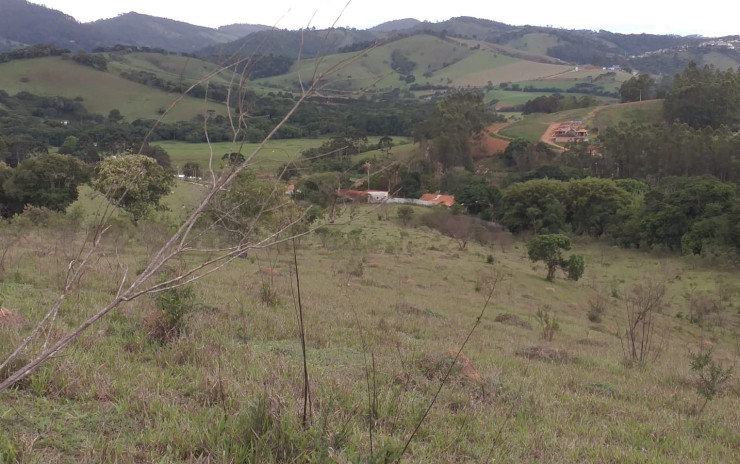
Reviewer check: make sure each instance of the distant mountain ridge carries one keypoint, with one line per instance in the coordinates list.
(23, 23)
(150, 31)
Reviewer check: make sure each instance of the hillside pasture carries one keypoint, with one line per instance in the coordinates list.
(533, 126)
(512, 72)
(449, 61)
(373, 69)
(173, 68)
(646, 112)
(536, 42)
(271, 158)
(384, 306)
(100, 91)
(478, 61)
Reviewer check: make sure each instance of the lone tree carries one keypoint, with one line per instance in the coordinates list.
(136, 183)
(547, 248)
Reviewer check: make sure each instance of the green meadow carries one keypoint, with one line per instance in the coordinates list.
(100, 91)
(648, 112)
(271, 158)
(532, 127)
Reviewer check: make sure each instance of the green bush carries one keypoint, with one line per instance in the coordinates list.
(173, 305)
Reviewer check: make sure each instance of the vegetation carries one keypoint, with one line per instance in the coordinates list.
(637, 88)
(704, 97)
(547, 248)
(46, 181)
(455, 120)
(205, 318)
(135, 183)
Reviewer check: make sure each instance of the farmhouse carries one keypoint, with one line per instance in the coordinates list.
(437, 199)
(573, 131)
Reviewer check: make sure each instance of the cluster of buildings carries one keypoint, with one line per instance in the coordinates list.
(381, 196)
(570, 132)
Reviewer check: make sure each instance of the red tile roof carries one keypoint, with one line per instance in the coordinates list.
(447, 200)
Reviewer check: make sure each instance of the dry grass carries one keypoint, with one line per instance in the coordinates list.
(229, 388)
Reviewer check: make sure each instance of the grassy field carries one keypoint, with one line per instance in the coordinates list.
(437, 62)
(649, 112)
(173, 68)
(100, 91)
(508, 98)
(383, 307)
(536, 42)
(374, 68)
(531, 127)
(512, 72)
(274, 155)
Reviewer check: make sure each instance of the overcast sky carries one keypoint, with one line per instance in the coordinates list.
(709, 18)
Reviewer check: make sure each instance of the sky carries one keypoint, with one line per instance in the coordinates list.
(710, 18)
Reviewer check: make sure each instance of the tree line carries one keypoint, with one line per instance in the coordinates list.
(30, 121)
(694, 215)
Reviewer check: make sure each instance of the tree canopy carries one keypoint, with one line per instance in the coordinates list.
(136, 183)
(704, 97)
(48, 181)
(455, 121)
(548, 249)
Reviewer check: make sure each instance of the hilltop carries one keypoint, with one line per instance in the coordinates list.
(23, 23)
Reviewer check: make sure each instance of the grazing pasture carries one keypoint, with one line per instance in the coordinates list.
(386, 308)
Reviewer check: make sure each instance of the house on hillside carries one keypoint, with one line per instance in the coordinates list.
(570, 132)
(437, 199)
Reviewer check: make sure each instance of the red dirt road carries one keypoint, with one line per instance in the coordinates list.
(488, 145)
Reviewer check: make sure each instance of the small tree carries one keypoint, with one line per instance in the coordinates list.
(641, 305)
(384, 145)
(405, 214)
(711, 377)
(136, 183)
(547, 248)
(48, 181)
(547, 321)
(191, 169)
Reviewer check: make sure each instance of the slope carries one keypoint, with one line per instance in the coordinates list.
(430, 61)
(151, 31)
(100, 91)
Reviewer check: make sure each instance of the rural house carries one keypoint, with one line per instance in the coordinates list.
(569, 132)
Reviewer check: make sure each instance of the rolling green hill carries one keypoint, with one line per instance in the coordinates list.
(649, 112)
(434, 61)
(100, 91)
(168, 67)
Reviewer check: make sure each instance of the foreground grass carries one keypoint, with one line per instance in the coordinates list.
(383, 305)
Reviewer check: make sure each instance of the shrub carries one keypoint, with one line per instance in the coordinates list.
(172, 308)
(597, 307)
(269, 295)
(711, 377)
(644, 301)
(405, 214)
(547, 321)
